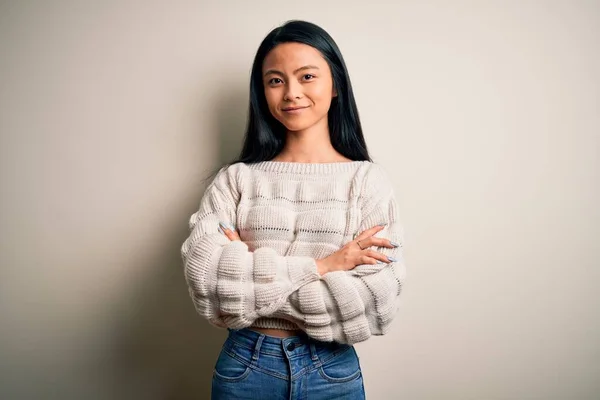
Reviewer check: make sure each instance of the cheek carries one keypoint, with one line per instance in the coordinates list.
(321, 92)
(272, 99)
(322, 97)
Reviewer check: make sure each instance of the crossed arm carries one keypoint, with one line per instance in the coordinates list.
(232, 287)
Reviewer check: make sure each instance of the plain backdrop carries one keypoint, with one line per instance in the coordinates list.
(484, 113)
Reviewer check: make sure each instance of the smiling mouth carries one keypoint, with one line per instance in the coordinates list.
(293, 108)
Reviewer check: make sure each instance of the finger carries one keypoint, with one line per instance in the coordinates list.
(378, 242)
(369, 232)
(226, 226)
(229, 231)
(365, 243)
(235, 235)
(380, 256)
(368, 260)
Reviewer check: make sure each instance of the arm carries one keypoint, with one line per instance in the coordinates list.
(350, 306)
(231, 286)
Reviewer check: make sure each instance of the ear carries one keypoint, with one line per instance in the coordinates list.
(334, 92)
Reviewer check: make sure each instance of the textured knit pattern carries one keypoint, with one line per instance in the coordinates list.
(288, 215)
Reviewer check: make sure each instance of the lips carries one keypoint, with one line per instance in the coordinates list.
(293, 108)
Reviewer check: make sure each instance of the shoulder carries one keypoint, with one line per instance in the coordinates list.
(376, 178)
(229, 178)
(377, 170)
(377, 188)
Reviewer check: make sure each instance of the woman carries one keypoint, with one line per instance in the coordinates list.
(283, 251)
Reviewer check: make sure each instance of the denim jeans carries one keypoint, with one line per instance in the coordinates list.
(255, 366)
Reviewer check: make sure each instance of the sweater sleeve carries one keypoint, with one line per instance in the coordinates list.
(351, 306)
(229, 285)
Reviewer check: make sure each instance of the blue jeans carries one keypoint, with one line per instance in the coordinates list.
(255, 366)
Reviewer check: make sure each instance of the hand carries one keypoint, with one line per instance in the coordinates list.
(357, 252)
(229, 231)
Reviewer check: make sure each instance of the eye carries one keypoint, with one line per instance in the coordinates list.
(308, 77)
(274, 81)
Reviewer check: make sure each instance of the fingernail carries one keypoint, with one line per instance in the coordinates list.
(382, 225)
(392, 259)
(232, 227)
(394, 244)
(221, 230)
(380, 262)
(223, 225)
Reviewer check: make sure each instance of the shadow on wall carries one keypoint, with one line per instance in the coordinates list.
(164, 349)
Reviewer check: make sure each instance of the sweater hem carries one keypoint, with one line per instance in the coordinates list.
(275, 323)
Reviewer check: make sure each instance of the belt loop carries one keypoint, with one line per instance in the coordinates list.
(257, 347)
(313, 352)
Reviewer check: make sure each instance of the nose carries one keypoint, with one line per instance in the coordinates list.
(293, 91)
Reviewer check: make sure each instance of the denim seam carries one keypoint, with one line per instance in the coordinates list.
(261, 351)
(339, 380)
(254, 367)
(308, 369)
(241, 344)
(352, 377)
(333, 355)
(319, 363)
(237, 379)
(317, 366)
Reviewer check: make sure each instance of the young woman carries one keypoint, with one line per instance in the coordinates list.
(296, 248)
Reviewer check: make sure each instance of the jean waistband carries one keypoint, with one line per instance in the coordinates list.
(297, 345)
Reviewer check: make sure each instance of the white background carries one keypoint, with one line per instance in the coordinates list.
(485, 113)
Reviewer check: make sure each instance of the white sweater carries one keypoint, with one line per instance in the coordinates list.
(288, 215)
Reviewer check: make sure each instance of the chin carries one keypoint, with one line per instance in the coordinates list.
(297, 127)
(294, 125)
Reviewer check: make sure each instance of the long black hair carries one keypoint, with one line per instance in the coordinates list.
(265, 136)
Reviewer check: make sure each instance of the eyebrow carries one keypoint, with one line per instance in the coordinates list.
(274, 71)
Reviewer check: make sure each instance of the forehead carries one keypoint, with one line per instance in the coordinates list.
(289, 56)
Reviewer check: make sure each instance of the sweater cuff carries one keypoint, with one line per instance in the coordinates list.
(302, 270)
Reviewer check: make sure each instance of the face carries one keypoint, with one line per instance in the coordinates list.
(298, 85)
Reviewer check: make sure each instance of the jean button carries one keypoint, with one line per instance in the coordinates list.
(291, 346)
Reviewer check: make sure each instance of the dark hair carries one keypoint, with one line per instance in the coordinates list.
(265, 135)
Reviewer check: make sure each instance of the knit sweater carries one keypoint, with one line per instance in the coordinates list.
(288, 215)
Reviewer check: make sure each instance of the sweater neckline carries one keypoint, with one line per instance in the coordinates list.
(306, 168)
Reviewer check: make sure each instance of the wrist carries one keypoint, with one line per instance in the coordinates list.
(321, 267)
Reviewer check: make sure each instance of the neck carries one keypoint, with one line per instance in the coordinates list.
(311, 145)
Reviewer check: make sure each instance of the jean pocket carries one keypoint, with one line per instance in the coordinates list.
(342, 367)
(229, 368)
